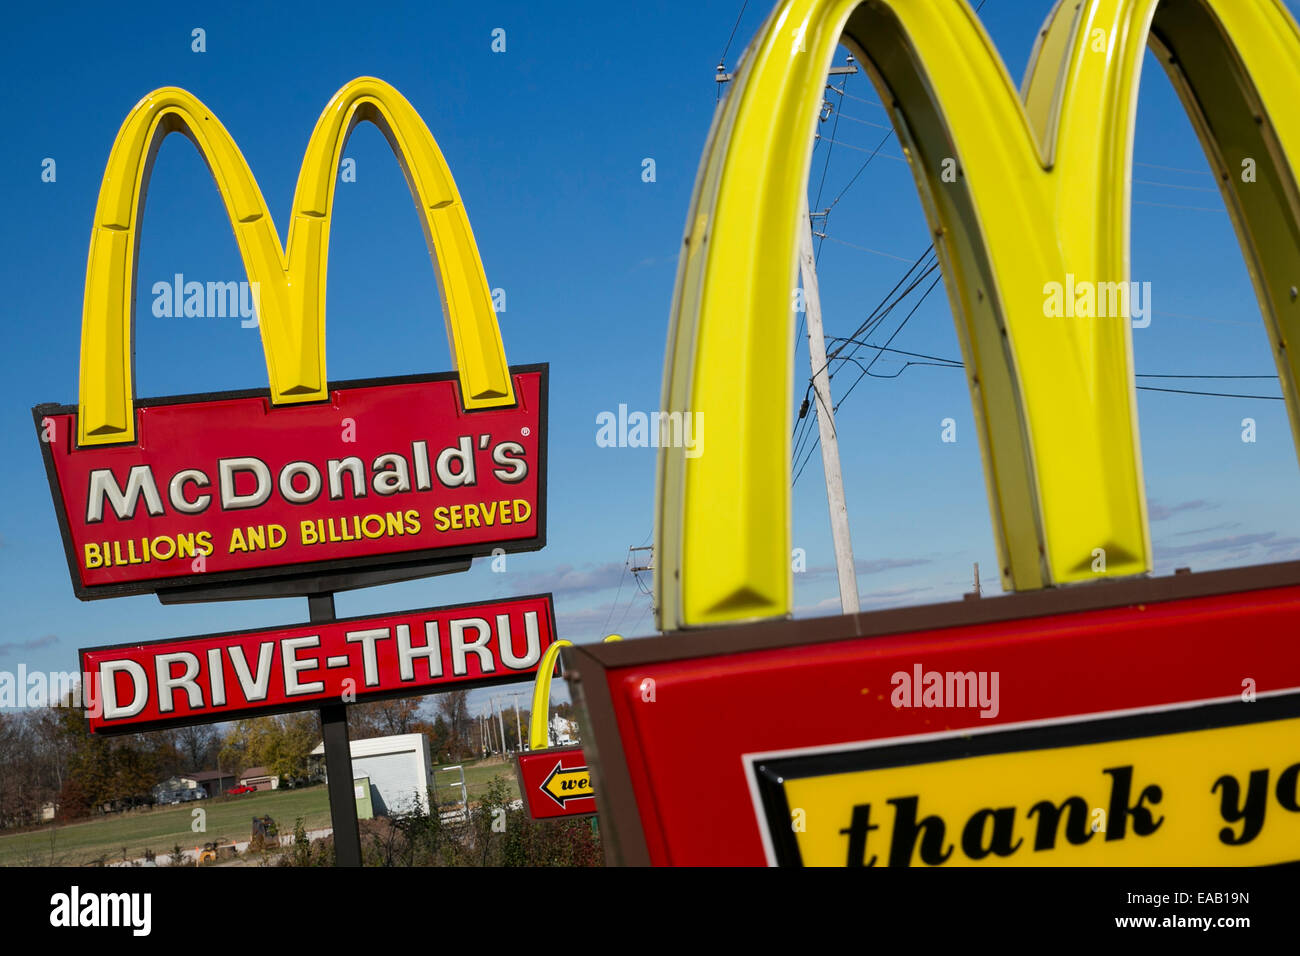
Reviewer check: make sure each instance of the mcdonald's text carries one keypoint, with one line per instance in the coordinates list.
(218, 487)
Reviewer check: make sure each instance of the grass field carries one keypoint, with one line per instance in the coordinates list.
(478, 774)
(229, 819)
(160, 829)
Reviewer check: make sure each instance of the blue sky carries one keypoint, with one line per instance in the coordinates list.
(546, 142)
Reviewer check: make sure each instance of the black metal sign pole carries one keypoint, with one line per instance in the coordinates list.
(338, 758)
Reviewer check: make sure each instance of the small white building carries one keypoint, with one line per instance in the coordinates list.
(564, 732)
(398, 768)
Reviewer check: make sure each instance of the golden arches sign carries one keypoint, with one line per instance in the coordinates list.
(1046, 197)
(291, 279)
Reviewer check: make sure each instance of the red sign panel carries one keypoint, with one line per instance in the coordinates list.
(556, 783)
(223, 488)
(1121, 722)
(223, 676)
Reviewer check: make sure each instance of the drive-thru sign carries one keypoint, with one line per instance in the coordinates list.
(249, 673)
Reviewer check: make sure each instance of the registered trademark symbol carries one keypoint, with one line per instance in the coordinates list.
(525, 431)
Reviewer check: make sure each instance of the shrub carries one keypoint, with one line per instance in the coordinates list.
(497, 834)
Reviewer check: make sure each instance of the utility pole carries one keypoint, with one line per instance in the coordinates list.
(649, 565)
(519, 728)
(826, 419)
(501, 724)
(722, 76)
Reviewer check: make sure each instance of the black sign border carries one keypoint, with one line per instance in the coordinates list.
(292, 574)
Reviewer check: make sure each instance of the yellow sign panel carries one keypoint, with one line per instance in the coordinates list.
(1227, 795)
(567, 784)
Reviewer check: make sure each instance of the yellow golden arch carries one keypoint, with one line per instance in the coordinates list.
(1041, 191)
(538, 735)
(291, 279)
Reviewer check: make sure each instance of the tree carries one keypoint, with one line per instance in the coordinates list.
(282, 744)
(453, 708)
(15, 758)
(440, 742)
(290, 745)
(384, 718)
(197, 745)
(243, 743)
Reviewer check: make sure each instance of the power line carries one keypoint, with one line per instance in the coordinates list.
(727, 49)
(886, 306)
(1168, 205)
(1174, 169)
(863, 99)
(906, 319)
(874, 252)
(863, 149)
(1185, 391)
(874, 319)
(933, 358)
(941, 362)
(956, 363)
(861, 170)
(640, 587)
(1154, 375)
(817, 203)
(1203, 318)
(854, 119)
(1152, 182)
(621, 578)
(867, 369)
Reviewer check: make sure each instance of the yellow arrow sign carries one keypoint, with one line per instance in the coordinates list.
(567, 783)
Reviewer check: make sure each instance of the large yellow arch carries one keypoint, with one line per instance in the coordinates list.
(1042, 191)
(292, 288)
